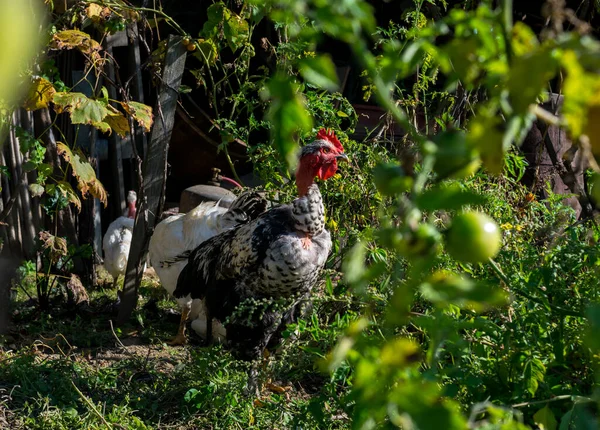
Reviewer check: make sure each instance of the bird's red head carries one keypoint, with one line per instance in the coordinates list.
(319, 159)
(131, 200)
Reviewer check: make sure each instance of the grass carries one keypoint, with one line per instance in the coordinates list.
(70, 369)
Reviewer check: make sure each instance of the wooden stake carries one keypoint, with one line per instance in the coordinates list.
(154, 174)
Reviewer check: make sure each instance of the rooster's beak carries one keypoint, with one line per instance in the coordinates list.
(342, 156)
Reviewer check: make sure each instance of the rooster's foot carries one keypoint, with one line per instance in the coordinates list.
(178, 340)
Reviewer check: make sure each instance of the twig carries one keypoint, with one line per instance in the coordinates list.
(117, 337)
(555, 399)
(93, 408)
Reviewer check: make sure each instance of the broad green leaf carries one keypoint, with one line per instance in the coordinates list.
(524, 39)
(36, 190)
(84, 172)
(420, 406)
(533, 373)
(319, 71)
(448, 197)
(39, 95)
(529, 76)
(140, 112)
(207, 51)
(544, 418)
(487, 135)
(593, 322)
(216, 15)
(82, 109)
(236, 31)
(288, 115)
(445, 288)
(391, 180)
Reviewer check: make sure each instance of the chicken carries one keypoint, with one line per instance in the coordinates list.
(268, 265)
(175, 237)
(117, 240)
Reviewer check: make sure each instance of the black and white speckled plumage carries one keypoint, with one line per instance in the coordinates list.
(278, 255)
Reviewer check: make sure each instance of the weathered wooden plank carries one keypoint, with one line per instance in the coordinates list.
(154, 174)
(115, 144)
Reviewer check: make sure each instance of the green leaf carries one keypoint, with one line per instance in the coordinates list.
(444, 288)
(82, 109)
(533, 373)
(529, 76)
(544, 418)
(85, 174)
(288, 115)
(207, 52)
(236, 31)
(390, 179)
(448, 197)
(486, 133)
(319, 71)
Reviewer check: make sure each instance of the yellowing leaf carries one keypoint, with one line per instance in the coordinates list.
(485, 134)
(94, 11)
(67, 190)
(544, 418)
(102, 126)
(84, 172)
(56, 246)
(529, 76)
(524, 39)
(581, 90)
(75, 39)
(118, 123)
(400, 352)
(207, 51)
(39, 95)
(19, 42)
(82, 109)
(140, 112)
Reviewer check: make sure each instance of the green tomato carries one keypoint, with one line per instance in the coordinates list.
(455, 158)
(422, 242)
(473, 237)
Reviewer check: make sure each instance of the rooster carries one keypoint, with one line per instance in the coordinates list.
(176, 237)
(275, 258)
(117, 240)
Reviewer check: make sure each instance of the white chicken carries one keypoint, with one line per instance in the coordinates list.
(117, 240)
(177, 236)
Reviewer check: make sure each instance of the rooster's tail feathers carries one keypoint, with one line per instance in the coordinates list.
(245, 208)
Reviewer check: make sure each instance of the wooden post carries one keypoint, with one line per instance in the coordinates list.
(154, 173)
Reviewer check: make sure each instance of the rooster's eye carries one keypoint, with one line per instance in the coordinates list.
(326, 150)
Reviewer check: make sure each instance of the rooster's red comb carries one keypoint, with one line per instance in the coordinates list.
(329, 136)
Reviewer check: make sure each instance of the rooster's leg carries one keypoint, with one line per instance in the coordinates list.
(180, 338)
